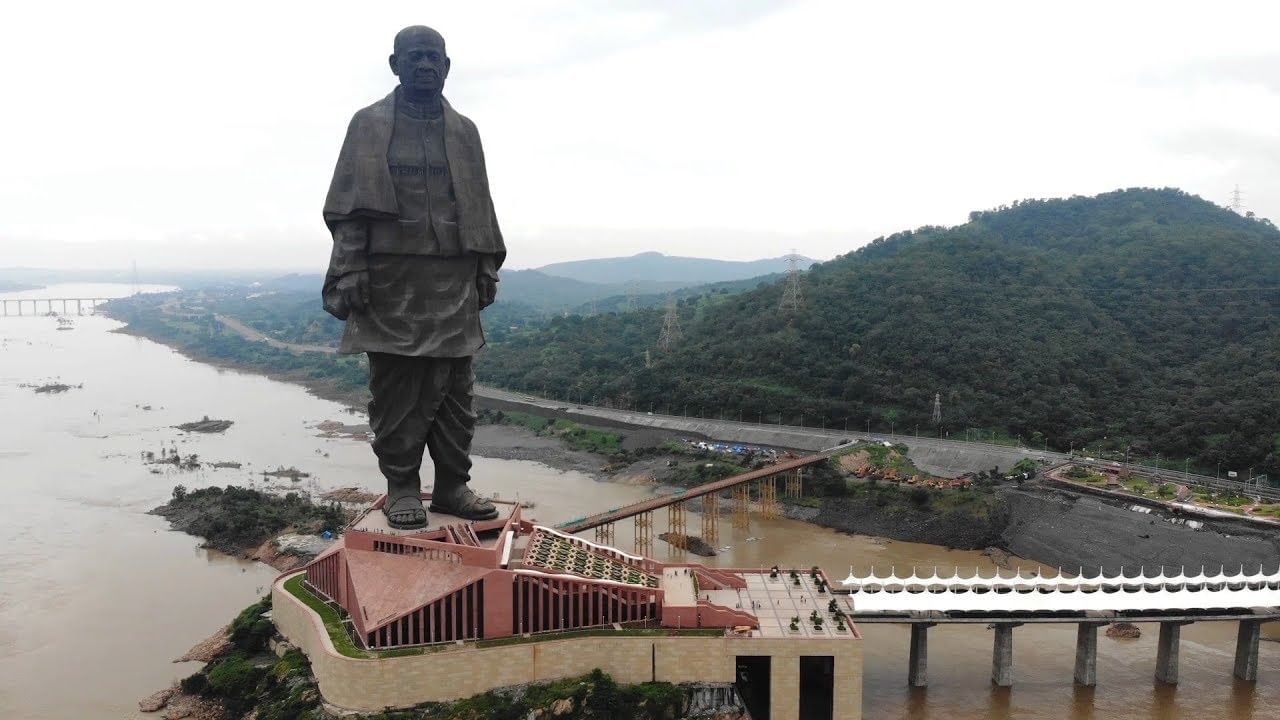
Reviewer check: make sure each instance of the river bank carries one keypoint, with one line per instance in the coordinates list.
(325, 388)
(282, 531)
(1050, 525)
(90, 575)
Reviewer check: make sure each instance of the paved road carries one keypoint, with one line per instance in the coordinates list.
(249, 333)
(936, 455)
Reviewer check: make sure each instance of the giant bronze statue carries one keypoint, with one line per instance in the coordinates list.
(416, 252)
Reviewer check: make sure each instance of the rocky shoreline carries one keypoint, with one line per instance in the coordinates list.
(279, 531)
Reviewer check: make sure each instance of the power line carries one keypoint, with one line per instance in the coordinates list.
(791, 297)
(670, 334)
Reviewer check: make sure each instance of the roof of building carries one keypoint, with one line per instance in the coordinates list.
(560, 554)
(388, 586)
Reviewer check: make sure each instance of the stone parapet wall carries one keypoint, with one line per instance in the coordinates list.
(371, 685)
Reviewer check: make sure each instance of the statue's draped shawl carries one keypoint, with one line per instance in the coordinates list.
(362, 185)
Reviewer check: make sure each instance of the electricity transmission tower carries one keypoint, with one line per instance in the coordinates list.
(937, 409)
(670, 327)
(791, 297)
(632, 292)
(1236, 200)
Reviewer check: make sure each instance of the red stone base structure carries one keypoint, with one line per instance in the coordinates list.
(457, 583)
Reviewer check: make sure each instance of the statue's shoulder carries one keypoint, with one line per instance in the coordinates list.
(382, 110)
(466, 121)
(468, 126)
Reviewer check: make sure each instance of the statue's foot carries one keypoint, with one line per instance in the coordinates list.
(463, 502)
(405, 513)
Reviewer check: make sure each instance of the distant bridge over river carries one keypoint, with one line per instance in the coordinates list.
(15, 307)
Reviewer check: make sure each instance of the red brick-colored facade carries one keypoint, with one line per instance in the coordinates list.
(504, 577)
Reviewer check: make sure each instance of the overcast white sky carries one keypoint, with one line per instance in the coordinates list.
(204, 134)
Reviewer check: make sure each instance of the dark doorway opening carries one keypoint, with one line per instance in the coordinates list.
(817, 686)
(752, 680)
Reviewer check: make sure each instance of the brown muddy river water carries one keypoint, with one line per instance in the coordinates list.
(97, 597)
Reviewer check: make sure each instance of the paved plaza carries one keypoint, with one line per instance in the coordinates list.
(776, 600)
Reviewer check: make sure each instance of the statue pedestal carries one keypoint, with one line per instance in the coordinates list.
(375, 520)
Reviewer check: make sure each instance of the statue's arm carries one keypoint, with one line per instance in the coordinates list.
(350, 247)
(346, 284)
(487, 268)
(487, 280)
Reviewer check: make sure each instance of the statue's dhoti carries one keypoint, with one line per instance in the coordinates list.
(421, 402)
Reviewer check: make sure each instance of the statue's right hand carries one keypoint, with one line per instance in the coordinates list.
(353, 288)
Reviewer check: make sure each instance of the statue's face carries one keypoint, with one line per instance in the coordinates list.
(420, 63)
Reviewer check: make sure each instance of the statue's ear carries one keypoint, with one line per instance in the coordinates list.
(448, 63)
(391, 59)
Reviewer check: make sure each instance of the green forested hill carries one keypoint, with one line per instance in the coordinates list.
(1148, 318)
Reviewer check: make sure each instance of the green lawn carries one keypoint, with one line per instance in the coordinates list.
(332, 623)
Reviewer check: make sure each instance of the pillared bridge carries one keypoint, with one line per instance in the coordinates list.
(80, 306)
(1002, 600)
(764, 492)
(1006, 599)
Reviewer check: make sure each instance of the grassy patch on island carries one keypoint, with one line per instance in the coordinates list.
(235, 519)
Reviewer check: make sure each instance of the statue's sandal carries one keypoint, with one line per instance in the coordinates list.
(465, 504)
(405, 507)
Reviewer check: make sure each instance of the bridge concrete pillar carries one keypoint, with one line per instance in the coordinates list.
(918, 663)
(1087, 653)
(1247, 650)
(1002, 654)
(1167, 651)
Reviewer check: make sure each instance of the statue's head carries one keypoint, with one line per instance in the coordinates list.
(419, 60)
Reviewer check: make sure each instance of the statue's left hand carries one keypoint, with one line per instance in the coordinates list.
(486, 290)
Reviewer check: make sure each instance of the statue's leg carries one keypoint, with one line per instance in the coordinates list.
(400, 433)
(449, 441)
